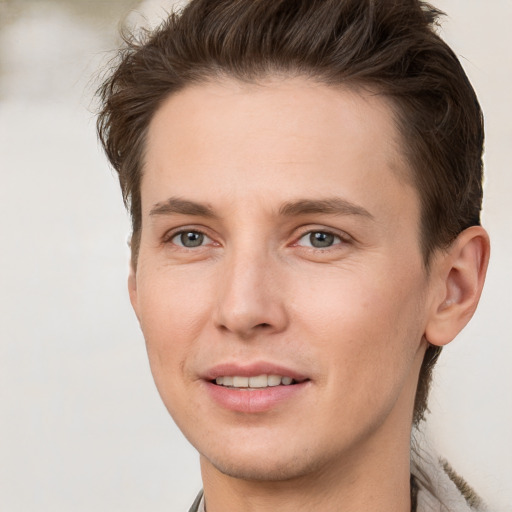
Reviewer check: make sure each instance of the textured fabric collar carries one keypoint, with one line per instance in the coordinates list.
(200, 508)
(198, 505)
(439, 488)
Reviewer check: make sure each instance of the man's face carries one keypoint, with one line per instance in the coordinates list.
(280, 238)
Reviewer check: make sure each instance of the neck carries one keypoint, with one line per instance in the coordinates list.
(375, 481)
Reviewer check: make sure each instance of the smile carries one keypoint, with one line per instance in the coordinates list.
(255, 382)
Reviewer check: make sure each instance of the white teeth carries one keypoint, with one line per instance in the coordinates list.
(274, 380)
(241, 382)
(225, 381)
(258, 381)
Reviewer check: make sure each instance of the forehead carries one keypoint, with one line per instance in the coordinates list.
(231, 138)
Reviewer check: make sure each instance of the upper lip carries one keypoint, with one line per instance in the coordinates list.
(252, 370)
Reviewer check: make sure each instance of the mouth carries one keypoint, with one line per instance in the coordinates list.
(254, 382)
(256, 387)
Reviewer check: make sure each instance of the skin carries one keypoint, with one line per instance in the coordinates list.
(351, 316)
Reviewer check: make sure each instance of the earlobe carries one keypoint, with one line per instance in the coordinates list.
(460, 274)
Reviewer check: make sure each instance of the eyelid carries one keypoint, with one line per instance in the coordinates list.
(343, 236)
(172, 233)
(336, 242)
(306, 230)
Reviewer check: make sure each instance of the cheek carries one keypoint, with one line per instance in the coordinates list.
(172, 309)
(170, 299)
(369, 325)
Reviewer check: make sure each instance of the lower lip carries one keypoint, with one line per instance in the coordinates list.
(256, 399)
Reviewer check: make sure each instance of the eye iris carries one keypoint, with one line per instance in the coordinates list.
(321, 239)
(192, 239)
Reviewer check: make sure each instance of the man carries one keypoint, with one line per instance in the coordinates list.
(304, 180)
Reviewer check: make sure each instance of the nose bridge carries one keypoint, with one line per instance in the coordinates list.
(250, 298)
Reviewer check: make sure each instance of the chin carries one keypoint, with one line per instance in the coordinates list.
(275, 472)
(258, 466)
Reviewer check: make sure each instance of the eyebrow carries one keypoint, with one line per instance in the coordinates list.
(178, 206)
(330, 206)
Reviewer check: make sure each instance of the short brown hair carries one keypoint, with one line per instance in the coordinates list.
(390, 46)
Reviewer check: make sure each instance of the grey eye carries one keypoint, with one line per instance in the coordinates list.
(190, 239)
(319, 239)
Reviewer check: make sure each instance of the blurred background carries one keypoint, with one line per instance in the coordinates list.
(81, 424)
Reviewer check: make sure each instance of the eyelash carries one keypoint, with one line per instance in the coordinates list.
(342, 239)
(168, 238)
(339, 239)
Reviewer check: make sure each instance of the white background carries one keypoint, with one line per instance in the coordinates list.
(81, 425)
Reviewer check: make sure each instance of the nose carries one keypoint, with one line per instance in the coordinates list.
(251, 296)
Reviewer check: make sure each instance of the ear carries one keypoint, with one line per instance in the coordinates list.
(458, 276)
(132, 287)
